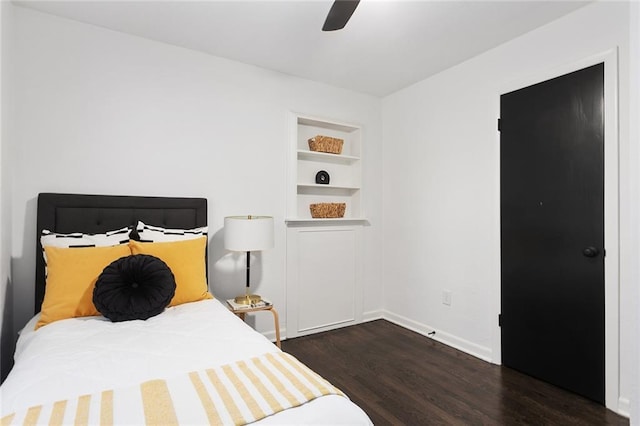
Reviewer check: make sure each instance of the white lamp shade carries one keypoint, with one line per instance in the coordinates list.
(248, 233)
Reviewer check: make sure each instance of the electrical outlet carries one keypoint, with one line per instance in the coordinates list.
(446, 297)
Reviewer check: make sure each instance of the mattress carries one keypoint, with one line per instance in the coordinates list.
(81, 356)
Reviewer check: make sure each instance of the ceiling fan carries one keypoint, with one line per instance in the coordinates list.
(339, 14)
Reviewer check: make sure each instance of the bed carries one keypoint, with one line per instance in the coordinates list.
(193, 363)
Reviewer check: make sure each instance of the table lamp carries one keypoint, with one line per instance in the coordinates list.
(248, 233)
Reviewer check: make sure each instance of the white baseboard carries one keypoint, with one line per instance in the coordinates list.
(624, 407)
(482, 352)
(372, 315)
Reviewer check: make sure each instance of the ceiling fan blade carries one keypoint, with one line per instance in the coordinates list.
(339, 14)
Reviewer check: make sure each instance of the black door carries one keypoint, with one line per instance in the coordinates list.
(552, 231)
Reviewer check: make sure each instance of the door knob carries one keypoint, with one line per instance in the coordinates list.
(590, 252)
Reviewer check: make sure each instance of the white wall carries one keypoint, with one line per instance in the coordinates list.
(99, 111)
(441, 187)
(6, 302)
(634, 154)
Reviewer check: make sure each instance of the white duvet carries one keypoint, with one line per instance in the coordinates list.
(85, 355)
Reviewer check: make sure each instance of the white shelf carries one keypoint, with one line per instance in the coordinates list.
(326, 157)
(325, 124)
(321, 189)
(311, 221)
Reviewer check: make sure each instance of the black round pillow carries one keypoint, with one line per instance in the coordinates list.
(134, 287)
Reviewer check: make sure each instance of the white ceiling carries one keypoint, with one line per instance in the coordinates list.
(386, 46)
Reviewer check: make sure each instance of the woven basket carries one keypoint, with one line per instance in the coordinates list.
(327, 210)
(326, 144)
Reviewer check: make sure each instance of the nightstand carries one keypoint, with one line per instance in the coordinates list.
(241, 311)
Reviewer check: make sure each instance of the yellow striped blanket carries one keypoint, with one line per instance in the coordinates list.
(238, 393)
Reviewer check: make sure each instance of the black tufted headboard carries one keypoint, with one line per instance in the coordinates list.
(66, 213)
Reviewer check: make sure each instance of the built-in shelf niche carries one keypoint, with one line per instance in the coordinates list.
(345, 170)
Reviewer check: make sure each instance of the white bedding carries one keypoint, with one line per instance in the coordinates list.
(86, 355)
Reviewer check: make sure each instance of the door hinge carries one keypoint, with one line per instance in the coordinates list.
(499, 320)
(499, 124)
(604, 252)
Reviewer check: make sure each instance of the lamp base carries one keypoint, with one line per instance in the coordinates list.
(248, 299)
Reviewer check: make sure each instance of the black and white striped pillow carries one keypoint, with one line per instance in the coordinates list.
(78, 239)
(155, 234)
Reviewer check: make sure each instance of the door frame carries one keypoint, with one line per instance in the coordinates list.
(611, 212)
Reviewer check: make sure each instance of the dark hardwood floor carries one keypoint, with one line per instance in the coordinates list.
(400, 377)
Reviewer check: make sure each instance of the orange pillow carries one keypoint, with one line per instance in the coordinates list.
(187, 262)
(71, 276)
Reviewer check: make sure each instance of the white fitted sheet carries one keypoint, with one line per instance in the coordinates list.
(85, 355)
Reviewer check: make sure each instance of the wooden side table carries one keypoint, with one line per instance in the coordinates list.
(242, 312)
